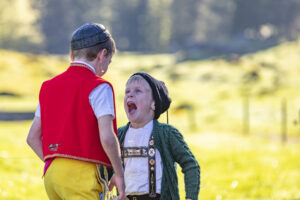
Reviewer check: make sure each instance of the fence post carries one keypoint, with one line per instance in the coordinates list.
(192, 118)
(299, 117)
(246, 117)
(283, 120)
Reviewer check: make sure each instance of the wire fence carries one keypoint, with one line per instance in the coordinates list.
(277, 116)
(268, 116)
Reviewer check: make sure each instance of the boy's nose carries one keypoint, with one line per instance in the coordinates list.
(129, 94)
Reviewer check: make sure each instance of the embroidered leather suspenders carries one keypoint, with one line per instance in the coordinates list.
(137, 152)
(151, 168)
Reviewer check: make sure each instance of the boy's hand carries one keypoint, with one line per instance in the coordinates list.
(112, 183)
(118, 181)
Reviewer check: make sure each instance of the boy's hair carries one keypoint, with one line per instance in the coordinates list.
(138, 78)
(90, 53)
(135, 78)
(89, 39)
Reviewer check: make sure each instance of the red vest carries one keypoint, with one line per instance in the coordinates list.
(69, 125)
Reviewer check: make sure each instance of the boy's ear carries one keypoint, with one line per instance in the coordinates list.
(71, 56)
(153, 105)
(102, 54)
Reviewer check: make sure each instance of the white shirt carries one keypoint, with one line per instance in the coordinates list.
(136, 169)
(100, 98)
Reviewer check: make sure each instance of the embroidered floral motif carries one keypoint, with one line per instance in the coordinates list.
(151, 143)
(151, 152)
(152, 162)
(54, 147)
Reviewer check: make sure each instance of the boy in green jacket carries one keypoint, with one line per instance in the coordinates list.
(150, 149)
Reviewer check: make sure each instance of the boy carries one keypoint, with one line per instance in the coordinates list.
(74, 129)
(150, 149)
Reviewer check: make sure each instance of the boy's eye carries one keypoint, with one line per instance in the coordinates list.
(138, 90)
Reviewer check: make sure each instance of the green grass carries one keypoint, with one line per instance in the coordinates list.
(232, 166)
(20, 169)
(238, 167)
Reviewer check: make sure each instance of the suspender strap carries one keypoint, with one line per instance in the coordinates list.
(151, 166)
(131, 152)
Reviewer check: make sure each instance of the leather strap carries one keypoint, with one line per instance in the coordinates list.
(143, 197)
(151, 166)
(131, 152)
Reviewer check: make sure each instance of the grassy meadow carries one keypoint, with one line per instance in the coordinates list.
(232, 166)
(208, 106)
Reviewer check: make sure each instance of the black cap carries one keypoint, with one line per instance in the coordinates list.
(159, 92)
(89, 35)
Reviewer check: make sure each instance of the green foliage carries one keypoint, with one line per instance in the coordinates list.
(18, 25)
(211, 27)
(145, 25)
(215, 21)
(260, 13)
(60, 19)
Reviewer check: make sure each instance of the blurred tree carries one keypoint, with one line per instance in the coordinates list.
(142, 25)
(61, 18)
(18, 25)
(184, 16)
(128, 24)
(159, 31)
(149, 25)
(214, 20)
(263, 19)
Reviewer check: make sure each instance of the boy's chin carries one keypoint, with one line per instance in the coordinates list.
(130, 117)
(134, 119)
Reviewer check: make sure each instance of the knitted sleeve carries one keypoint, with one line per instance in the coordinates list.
(121, 132)
(185, 158)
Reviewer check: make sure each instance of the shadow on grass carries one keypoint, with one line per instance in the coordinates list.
(16, 116)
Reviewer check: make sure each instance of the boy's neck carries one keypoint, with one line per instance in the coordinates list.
(139, 125)
(92, 63)
(90, 67)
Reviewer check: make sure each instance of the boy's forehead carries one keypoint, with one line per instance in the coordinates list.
(138, 80)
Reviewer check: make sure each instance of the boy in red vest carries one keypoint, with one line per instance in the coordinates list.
(150, 149)
(74, 128)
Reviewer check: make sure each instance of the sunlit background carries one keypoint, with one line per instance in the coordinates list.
(232, 68)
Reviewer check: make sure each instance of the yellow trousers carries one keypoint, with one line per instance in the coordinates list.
(68, 179)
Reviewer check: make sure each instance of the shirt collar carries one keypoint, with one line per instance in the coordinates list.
(85, 63)
(147, 126)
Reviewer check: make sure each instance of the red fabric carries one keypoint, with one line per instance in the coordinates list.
(69, 126)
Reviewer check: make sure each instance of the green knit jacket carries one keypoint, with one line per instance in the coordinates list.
(173, 149)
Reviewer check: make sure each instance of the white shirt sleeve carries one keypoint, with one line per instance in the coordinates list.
(101, 101)
(38, 111)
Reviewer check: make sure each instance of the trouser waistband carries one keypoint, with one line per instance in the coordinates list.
(143, 197)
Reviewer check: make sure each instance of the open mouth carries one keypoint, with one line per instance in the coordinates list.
(131, 107)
